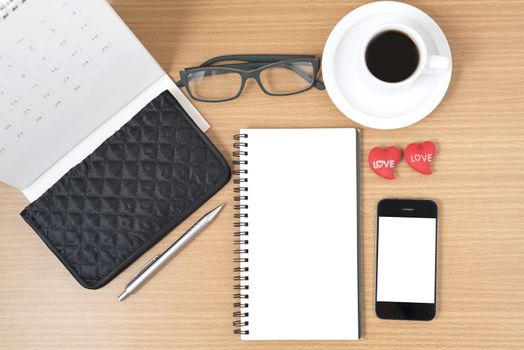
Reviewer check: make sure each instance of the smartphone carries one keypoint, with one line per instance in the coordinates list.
(406, 259)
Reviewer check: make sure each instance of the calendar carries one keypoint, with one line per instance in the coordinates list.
(66, 68)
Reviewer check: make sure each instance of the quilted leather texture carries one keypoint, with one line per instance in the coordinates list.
(129, 193)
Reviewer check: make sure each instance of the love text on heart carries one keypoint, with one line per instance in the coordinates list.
(421, 157)
(378, 164)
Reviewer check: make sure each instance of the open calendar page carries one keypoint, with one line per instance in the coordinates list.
(71, 74)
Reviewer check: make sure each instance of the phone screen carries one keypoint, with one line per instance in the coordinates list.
(406, 257)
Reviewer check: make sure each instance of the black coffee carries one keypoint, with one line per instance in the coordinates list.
(392, 56)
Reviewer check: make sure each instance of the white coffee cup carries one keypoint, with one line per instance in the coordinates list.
(397, 95)
(428, 63)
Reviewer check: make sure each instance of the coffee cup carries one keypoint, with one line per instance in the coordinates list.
(386, 65)
(395, 54)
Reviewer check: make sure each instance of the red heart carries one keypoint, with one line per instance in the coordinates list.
(420, 156)
(384, 160)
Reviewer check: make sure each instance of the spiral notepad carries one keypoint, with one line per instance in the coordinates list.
(297, 234)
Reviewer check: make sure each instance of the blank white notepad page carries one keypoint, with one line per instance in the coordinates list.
(303, 234)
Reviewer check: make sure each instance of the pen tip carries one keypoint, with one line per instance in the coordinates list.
(217, 210)
(123, 295)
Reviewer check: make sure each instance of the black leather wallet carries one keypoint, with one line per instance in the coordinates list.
(129, 193)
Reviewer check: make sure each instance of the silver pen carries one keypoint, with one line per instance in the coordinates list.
(158, 261)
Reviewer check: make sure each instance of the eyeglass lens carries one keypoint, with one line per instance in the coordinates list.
(214, 85)
(290, 77)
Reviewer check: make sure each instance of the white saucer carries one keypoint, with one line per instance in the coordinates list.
(369, 105)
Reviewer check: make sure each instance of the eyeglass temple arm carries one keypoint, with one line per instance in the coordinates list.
(243, 66)
(304, 75)
(253, 58)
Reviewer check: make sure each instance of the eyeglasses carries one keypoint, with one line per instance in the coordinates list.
(277, 75)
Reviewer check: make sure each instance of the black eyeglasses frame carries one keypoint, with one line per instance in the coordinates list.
(253, 66)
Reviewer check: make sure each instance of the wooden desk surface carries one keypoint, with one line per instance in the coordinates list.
(478, 183)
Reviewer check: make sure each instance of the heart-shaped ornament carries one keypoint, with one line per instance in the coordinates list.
(384, 160)
(420, 156)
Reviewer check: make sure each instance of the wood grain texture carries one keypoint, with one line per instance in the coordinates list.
(478, 184)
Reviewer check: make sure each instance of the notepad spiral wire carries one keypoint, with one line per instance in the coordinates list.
(241, 235)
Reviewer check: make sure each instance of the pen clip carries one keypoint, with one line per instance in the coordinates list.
(139, 272)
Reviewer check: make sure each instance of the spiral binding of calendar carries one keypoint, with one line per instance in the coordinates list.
(241, 236)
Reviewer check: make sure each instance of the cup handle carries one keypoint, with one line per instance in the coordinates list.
(437, 64)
